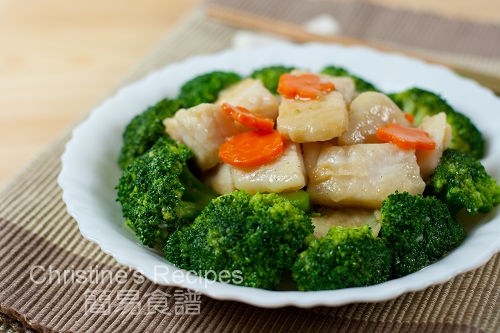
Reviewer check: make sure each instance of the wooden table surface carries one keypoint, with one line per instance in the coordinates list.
(58, 58)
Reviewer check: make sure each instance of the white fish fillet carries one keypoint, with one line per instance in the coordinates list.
(220, 179)
(363, 175)
(440, 132)
(285, 174)
(369, 111)
(203, 128)
(320, 119)
(252, 95)
(310, 152)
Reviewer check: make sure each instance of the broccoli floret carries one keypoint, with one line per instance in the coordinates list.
(258, 235)
(361, 85)
(144, 129)
(461, 181)
(345, 257)
(270, 76)
(205, 88)
(420, 103)
(158, 192)
(418, 231)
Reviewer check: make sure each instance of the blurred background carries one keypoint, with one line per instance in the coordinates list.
(59, 58)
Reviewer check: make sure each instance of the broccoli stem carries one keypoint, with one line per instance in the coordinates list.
(196, 195)
(189, 210)
(299, 199)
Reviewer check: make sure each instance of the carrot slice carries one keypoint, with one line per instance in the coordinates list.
(410, 118)
(305, 86)
(406, 137)
(252, 148)
(248, 118)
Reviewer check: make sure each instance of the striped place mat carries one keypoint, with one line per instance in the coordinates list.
(42, 251)
(468, 44)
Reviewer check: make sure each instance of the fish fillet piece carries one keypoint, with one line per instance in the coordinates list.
(220, 179)
(363, 175)
(440, 132)
(203, 128)
(345, 218)
(319, 119)
(369, 111)
(252, 95)
(310, 153)
(285, 174)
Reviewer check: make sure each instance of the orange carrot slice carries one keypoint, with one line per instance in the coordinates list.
(252, 148)
(406, 137)
(410, 118)
(305, 86)
(248, 118)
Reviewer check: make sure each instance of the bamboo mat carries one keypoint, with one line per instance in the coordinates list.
(36, 231)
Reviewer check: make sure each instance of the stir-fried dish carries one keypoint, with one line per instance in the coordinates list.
(291, 175)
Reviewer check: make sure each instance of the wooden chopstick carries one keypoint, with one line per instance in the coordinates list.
(296, 33)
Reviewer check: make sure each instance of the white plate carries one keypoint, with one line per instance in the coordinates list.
(90, 171)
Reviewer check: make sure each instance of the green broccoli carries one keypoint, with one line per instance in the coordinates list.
(361, 85)
(420, 103)
(345, 257)
(144, 129)
(158, 192)
(258, 235)
(270, 76)
(461, 181)
(205, 88)
(418, 230)
(300, 199)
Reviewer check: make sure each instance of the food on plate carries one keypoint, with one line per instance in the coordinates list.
(345, 218)
(304, 86)
(220, 179)
(256, 236)
(206, 88)
(145, 129)
(343, 84)
(159, 193)
(203, 128)
(363, 175)
(249, 118)
(310, 153)
(420, 103)
(321, 178)
(440, 133)
(300, 199)
(367, 113)
(418, 231)
(461, 181)
(345, 257)
(410, 118)
(313, 120)
(285, 174)
(252, 148)
(406, 137)
(251, 95)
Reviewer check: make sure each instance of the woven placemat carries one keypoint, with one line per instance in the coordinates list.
(463, 43)
(42, 254)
